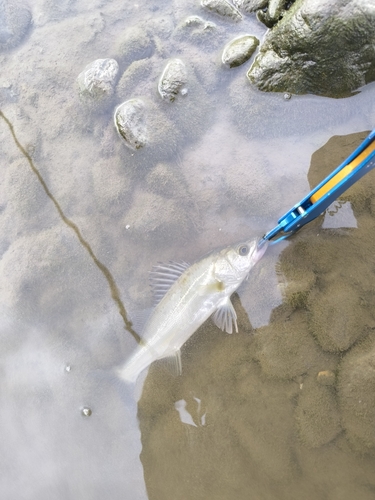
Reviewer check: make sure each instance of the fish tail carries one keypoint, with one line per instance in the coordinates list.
(128, 373)
(135, 365)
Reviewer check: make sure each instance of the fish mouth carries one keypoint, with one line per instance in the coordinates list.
(260, 248)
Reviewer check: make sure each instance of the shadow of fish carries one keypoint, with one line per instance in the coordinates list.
(187, 296)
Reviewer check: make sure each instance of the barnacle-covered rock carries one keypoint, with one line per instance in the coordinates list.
(239, 50)
(98, 79)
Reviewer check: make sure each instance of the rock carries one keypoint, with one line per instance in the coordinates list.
(222, 8)
(296, 276)
(198, 22)
(318, 47)
(317, 416)
(285, 349)
(239, 50)
(356, 395)
(336, 317)
(130, 122)
(98, 79)
(146, 127)
(15, 21)
(272, 14)
(136, 79)
(136, 44)
(199, 31)
(249, 6)
(173, 80)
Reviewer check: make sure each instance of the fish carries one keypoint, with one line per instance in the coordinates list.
(187, 295)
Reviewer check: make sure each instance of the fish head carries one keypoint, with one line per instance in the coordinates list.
(239, 259)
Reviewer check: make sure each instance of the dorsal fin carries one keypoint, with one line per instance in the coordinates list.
(163, 276)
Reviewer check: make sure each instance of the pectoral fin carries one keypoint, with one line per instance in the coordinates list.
(173, 363)
(225, 316)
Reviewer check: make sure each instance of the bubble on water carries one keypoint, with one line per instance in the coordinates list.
(86, 411)
(287, 96)
(68, 368)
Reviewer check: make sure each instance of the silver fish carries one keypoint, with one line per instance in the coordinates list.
(188, 296)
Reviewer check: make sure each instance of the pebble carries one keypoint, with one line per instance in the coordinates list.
(98, 79)
(239, 50)
(130, 121)
(86, 412)
(173, 80)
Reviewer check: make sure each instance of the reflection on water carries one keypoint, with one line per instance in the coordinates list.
(288, 407)
(339, 214)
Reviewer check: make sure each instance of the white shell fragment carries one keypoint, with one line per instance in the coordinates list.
(130, 121)
(173, 80)
(98, 79)
(239, 50)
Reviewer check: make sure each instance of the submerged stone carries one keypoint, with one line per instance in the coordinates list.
(172, 80)
(239, 50)
(356, 392)
(15, 21)
(98, 79)
(336, 317)
(249, 6)
(130, 121)
(317, 47)
(317, 415)
(135, 44)
(222, 8)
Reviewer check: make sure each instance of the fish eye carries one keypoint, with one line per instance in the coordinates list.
(243, 250)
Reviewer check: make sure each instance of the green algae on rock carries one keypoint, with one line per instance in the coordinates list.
(239, 50)
(318, 47)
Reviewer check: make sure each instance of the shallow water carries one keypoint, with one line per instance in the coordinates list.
(83, 220)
